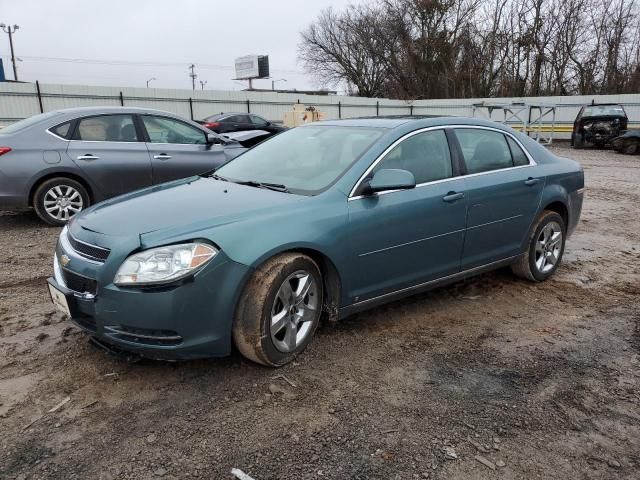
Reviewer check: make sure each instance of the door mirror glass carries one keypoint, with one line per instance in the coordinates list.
(391, 179)
(213, 139)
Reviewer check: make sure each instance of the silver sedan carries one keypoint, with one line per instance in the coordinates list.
(60, 162)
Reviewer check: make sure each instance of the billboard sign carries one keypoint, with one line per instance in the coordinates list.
(252, 66)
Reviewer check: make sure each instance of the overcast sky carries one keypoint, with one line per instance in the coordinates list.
(167, 35)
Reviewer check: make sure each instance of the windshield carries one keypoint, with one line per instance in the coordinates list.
(27, 122)
(305, 160)
(604, 111)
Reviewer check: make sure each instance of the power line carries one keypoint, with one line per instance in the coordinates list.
(137, 63)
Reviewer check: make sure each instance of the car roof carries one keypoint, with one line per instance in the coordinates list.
(109, 109)
(410, 121)
(68, 114)
(228, 114)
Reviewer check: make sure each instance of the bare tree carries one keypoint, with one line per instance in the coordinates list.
(474, 48)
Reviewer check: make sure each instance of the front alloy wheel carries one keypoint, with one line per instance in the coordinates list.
(279, 309)
(294, 310)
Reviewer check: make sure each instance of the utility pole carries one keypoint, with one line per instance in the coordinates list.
(7, 29)
(149, 81)
(202, 84)
(193, 75)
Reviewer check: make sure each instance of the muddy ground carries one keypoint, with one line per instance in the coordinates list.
(537, 381)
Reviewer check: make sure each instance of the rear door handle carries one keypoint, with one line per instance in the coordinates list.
(452, 197)
(531, 181)
(88, 156)
(162, 156)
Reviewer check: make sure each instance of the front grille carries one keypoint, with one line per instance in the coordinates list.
(78, 283)
(92, 252)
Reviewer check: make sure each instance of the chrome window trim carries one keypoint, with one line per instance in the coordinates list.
(381, 157)
(48, 130)
(105, 141)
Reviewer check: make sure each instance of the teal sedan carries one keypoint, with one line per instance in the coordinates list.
(317, 223)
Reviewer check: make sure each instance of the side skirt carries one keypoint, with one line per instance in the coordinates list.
(423, 287)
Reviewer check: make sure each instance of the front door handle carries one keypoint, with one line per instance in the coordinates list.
(453, 196)
(162, 156)
(88, 156)
(531, 181)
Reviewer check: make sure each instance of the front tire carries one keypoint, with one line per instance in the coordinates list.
(578, 141)
(545, 249)
(58, 199)
(631, 147)
(279, 310)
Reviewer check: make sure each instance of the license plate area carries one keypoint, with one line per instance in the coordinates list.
(59, 299)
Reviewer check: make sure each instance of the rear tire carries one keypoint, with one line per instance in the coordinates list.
(58, 199)
(545, 248)
(279, 310)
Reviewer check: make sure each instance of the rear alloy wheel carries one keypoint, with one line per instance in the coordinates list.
(545, 249)
(59, 199)
(279, 310)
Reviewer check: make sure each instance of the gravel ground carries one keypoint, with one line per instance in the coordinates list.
(490, 378)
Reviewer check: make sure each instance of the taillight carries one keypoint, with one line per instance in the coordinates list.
(4, 150)
(212, 124)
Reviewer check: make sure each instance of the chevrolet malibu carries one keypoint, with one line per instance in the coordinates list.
(320, 222)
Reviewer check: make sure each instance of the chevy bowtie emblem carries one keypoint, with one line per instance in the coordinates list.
(64, 260)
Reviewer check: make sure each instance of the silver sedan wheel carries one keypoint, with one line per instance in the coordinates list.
(548, 247)
(62, 202)
(294, 310)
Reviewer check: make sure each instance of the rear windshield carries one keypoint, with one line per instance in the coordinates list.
(215, 117)
(27, 122)
(604, 111)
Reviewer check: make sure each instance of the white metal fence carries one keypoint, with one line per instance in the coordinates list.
(21, 100)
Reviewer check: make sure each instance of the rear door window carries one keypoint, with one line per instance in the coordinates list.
(519, 157)
(484, 150)
(106, 128)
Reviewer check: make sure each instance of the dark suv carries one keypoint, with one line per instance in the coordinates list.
(598, 124)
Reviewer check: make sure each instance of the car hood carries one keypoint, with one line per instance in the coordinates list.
(180, 208)
(245, 135)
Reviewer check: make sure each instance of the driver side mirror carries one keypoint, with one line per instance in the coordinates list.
(390, 179)
(213, 139)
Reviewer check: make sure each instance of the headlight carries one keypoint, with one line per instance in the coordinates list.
(164, 264)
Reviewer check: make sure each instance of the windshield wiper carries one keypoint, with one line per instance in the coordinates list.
(215, 176)
(278, 187)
